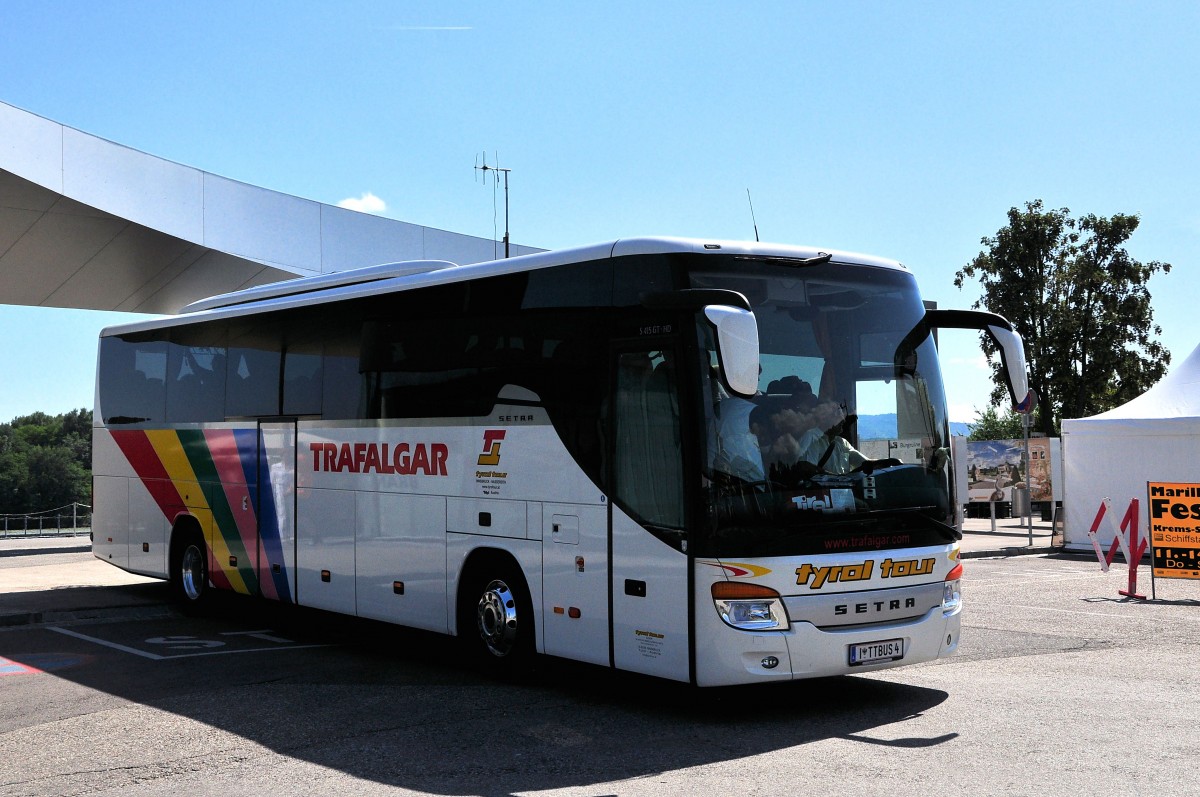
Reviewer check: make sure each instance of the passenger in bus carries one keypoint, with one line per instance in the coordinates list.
(735, 450)
(781, 416)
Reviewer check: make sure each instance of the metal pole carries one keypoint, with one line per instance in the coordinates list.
(1028, 492)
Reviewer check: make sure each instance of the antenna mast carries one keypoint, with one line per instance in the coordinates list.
(753, 220)
(485, 169)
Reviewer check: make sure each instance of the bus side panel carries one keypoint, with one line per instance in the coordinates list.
(575, 594)
(198, 472)
(221, 459)
(400, 556)
(111, 482)
(650, 602)
(490, 517)
(325, 524)
(147, 529)
(275, 491)
(110, 519)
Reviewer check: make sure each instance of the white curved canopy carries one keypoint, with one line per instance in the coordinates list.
(86, 223)
(1176, 395)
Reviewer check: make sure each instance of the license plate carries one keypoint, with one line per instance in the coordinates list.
(874, 652)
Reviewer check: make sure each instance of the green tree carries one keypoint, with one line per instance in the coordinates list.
(45, 461)
(1081, 303)
(55, 478)
(991, 425)
(14, 482)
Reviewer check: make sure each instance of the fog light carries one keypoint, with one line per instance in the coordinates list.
(770, 663)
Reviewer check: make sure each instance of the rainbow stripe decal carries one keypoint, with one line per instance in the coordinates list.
(215, 473)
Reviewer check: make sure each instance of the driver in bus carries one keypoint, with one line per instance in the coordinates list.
(825, 446)
(801, 430)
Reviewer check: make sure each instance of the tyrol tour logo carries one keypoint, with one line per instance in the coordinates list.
(492, 481)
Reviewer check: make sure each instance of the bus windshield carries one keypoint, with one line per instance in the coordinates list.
(845, 445)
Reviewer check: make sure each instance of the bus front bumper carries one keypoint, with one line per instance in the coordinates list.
(805, 651)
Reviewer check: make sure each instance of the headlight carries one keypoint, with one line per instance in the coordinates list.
(952, 590)
(749, 607)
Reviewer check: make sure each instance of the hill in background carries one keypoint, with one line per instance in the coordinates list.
(883, 427)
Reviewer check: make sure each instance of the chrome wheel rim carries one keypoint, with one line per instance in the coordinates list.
(496, 619)
(191, 572)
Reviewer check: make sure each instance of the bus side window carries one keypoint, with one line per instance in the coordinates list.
(343, 382)
(649, 467)
(302, 379)
(252, 379)
(195, 383)
(132, 381)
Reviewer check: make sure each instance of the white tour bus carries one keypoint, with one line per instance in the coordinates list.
(640, 454)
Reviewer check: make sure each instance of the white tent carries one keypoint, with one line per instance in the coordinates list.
(1155, 437)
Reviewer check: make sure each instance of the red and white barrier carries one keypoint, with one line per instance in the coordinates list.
(1125, 537)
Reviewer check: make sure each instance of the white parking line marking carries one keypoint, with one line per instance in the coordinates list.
(107, 644)
(244, 650)
(157, 657)
(1111, 615)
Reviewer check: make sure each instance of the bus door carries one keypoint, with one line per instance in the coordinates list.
(277, 510)
(649, 563)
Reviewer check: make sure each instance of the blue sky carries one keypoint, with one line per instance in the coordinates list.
(905, 130)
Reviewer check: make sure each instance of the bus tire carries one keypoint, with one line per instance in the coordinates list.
(496, 617)
(189, 569)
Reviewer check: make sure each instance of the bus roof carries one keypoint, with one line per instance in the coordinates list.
(295, 287)
(392, 277)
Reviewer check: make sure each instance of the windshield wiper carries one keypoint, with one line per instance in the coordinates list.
(793, 262)
(920, 513)
(823, 257)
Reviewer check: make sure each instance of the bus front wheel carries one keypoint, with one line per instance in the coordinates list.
(498, 620)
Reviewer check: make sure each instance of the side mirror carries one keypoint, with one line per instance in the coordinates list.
(737, 347)
(1012, 349)
(1012, 358)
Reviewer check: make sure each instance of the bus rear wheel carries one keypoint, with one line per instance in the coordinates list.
(189, 570)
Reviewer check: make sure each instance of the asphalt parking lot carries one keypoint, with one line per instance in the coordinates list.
(1060, 686)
